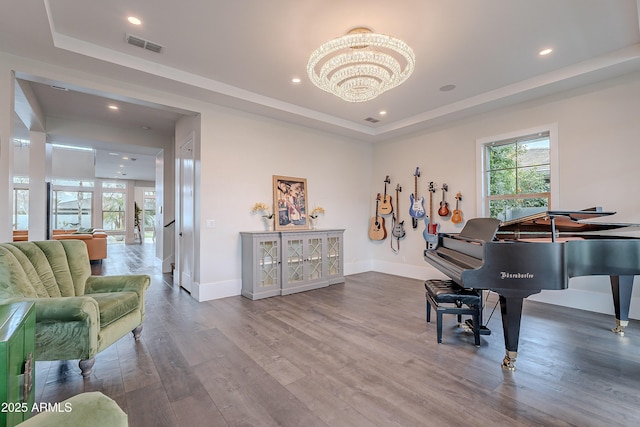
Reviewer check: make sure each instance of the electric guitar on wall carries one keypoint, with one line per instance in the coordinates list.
(431, 229)
(398, 227)
(386, 207)
(416, 210)
(377, 231)
(456, 218)
(444, 206)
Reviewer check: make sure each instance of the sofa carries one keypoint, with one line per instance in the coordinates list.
(77, 315)
(20, 235)
(96, 240)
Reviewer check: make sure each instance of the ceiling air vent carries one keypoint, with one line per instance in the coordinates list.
(145, 44)
(371, 119)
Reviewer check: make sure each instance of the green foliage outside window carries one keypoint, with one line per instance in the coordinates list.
(113, 208)
(517, 174)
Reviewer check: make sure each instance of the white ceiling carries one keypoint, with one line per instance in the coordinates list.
(243, 54)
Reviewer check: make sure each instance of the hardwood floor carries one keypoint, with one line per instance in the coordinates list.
(353, 354)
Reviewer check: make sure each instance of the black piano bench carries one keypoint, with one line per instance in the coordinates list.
(447, 297)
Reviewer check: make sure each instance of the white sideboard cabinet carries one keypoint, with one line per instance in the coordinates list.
(282, 263)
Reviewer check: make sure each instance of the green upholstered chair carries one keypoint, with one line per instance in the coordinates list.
(77, 315)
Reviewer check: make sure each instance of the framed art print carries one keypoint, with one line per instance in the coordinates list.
(290, 203)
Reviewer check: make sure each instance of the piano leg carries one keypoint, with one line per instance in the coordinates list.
(621, 288)
(511, 309)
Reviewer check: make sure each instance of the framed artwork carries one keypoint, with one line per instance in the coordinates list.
(290, 203)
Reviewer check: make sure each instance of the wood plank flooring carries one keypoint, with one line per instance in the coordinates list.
(353, 354)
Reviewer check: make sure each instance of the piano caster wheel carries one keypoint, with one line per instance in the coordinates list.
(509, 361)
(619, 329)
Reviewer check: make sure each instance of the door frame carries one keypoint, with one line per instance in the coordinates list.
(180, 279)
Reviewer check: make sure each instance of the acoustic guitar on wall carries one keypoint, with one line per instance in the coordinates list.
(444, 206)
(377, 230)
(456, 218)
(385, 207)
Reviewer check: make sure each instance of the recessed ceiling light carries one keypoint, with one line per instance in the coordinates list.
(546, 51)
(296, 80)
(447, 88)
(114, 154)
(121, 166)
(133, 20)
(125, 158)
(113, 107)
(382, 112)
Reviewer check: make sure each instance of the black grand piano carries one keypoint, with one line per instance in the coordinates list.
(521, 257)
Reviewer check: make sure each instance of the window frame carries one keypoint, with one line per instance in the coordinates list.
(119, 187)
(482, 207)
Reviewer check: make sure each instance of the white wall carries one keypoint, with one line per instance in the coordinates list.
(599, 148)
(239, 154)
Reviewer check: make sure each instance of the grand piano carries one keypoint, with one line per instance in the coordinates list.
(521, 257)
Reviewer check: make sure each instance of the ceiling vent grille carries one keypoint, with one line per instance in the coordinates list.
(371, 119)
(145, 44)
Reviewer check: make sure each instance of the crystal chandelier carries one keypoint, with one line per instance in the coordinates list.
(360, 65)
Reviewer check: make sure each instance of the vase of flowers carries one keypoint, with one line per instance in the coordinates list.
(267, 215)
(313, 216)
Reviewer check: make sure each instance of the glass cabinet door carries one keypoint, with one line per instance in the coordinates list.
(295, 260)
(268, 266)
(304, 263)
(333, 256)
(315, 263)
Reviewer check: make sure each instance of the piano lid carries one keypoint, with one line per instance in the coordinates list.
(563, 221)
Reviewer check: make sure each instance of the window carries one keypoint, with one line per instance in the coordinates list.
(72, 209)
(66, 182)
(114, 205)
(149, 214)
(113, 208)
(72, 203)
(517, 174)
(20, 211)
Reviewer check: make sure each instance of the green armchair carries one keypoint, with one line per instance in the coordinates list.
(77, 315)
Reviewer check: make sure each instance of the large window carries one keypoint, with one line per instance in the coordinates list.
(20, 203)
(113, 206)
(72, 203)
(517, 175)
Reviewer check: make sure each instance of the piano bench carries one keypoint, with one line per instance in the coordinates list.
(447, 297)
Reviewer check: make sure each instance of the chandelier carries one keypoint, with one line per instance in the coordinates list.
(360, 65)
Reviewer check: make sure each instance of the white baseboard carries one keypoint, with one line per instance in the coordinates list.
(210, 291)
